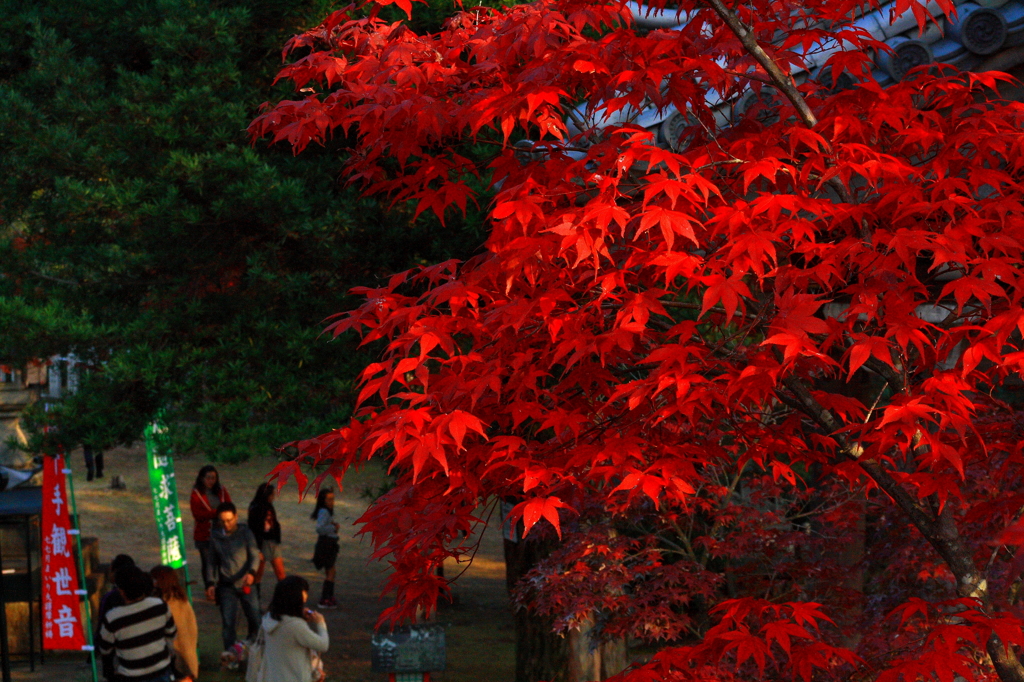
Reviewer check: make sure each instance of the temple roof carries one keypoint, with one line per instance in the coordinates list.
(987, 35)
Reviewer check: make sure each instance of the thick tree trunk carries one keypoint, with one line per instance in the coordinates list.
(541, 654)
(590, 663)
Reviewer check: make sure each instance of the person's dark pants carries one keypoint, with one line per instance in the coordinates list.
(93, 464)
(229, 598)
(204, 559)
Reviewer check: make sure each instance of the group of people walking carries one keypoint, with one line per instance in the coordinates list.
(146, 626)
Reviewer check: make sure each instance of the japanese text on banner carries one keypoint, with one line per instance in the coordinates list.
(165, 497)
(62, 610)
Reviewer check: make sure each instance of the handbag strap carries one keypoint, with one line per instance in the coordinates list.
(257, 651)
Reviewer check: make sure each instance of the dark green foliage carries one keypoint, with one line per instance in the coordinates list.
(139, 230)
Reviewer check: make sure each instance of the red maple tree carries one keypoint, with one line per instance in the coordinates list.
(707, 366)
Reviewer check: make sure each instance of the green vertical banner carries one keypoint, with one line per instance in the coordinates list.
(165, 495)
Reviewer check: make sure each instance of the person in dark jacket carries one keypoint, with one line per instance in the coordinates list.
(234, 558)
(267, 530)
(111, 599)
(207, 495)
(93, 461)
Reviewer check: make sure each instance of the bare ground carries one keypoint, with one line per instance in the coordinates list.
(479, 635)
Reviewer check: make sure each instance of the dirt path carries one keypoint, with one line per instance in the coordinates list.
(479, 629)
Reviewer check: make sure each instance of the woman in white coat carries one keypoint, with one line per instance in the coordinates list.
(294, 635)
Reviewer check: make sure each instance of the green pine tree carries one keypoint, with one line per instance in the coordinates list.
(141, 231)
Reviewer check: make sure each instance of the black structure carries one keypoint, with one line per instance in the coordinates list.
(20, 569)
(409, 649)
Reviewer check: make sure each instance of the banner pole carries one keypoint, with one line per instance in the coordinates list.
(181, 530)
(188, 582)
(81, 567)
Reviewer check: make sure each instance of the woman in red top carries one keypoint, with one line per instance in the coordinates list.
(207, 494)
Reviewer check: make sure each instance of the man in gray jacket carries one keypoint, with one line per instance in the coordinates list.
(234, 558)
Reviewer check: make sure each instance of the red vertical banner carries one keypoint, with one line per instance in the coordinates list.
(62, 606)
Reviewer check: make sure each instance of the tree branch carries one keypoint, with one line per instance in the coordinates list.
(781, 80)
(58, 280)
(888, 373)
(812, 408)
